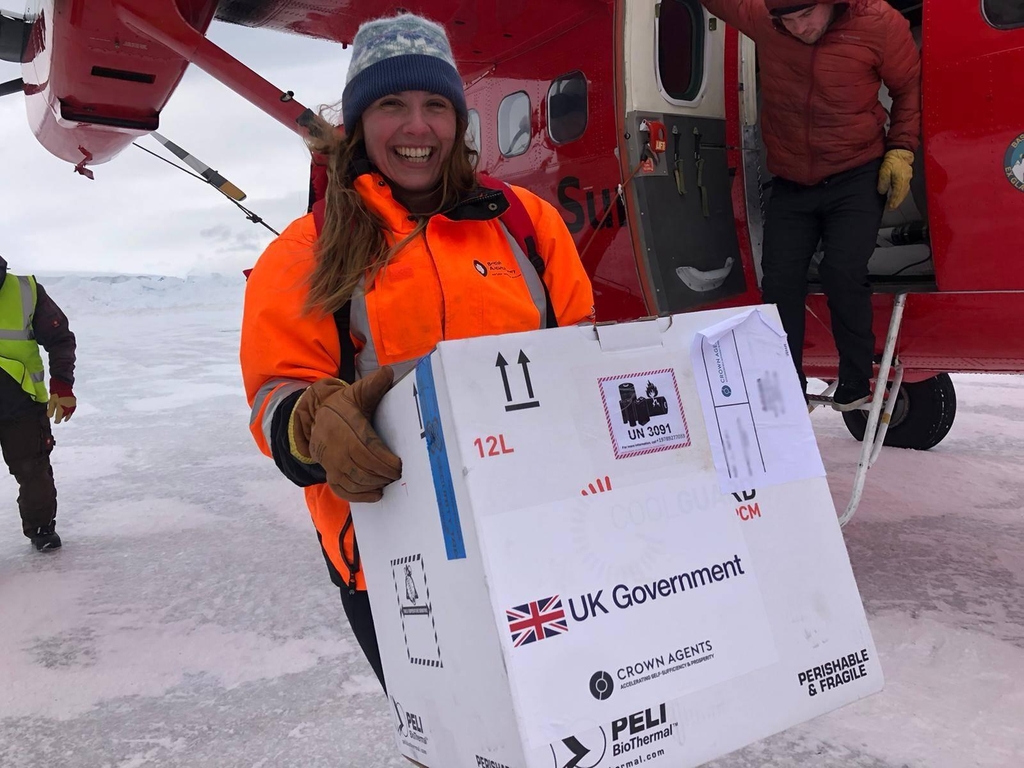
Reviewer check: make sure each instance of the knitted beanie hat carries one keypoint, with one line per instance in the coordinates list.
(395, 54)
(785, 7)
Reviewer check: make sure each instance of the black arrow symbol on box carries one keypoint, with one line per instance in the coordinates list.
(525, 361)
(502, 363)
(419, 416)
(577, 749)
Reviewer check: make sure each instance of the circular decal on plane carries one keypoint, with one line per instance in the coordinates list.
(1014, 163)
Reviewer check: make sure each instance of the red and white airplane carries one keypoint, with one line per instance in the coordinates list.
(639, 120)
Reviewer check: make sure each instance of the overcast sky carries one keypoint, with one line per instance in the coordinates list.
(142, 216)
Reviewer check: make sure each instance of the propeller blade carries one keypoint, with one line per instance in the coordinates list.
(11, 87)
(211, 176)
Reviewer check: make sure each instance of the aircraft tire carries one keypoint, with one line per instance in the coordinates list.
(922, 417)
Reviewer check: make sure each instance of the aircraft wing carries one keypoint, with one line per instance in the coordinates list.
(482, 32)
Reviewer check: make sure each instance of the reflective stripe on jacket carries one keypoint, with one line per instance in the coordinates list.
(464, 277)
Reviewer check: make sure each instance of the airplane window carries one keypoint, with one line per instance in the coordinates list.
(567, 108)
(1004, 13)
(680, 26)
(514, 124)
(473, 131)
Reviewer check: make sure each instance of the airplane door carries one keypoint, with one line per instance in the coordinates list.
(973, 60)
(687, 229)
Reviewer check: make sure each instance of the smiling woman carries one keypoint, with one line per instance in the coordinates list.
(407, 248)
(408, 136)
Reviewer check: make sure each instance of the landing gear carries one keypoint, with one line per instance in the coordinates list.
(916, 415)
(921, 417)
(877, 421)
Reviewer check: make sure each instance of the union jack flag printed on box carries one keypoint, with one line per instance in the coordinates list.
(536, 620)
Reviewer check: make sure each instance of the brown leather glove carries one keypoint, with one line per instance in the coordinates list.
(300, 423)
(330, 425)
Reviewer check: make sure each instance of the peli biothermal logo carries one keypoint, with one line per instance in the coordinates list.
(640, 730)
(628, 736)
(409, 725)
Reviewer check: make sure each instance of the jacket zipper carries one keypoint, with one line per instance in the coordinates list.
(353, 566)
(810, 101)
(440, 281)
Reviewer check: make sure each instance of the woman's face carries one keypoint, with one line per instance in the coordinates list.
(408, 137)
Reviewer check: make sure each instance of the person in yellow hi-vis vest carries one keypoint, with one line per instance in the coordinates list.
(30, 318)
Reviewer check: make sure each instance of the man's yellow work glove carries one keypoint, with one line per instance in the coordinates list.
(62, 401)
(894, 176)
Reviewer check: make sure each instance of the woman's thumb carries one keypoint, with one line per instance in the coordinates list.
(367, 392)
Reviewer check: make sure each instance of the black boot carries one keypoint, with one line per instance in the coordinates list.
(46, 539)
(851, 395)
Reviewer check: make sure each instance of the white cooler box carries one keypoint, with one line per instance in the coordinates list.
(609, 547)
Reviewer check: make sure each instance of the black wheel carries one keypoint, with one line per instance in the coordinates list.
(922, 416)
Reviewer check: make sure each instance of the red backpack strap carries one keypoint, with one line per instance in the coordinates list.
(317, 189)
(517, 220)
(317, 178)
(318, 214)
(520, 226)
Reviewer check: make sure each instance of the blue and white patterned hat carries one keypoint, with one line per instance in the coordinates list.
(400, 53)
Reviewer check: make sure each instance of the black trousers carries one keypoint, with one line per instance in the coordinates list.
(26, 441)
(357, 609)
(843, 212)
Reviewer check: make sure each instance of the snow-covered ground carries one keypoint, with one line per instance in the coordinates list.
(189, 621)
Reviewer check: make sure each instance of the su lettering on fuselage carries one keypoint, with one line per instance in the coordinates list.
(582, 207)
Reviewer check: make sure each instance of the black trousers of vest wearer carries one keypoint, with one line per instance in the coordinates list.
(27, 441)
(357, 609)
(843, 212)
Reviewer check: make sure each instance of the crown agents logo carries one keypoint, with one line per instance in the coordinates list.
(601, 685)
(1013, 163)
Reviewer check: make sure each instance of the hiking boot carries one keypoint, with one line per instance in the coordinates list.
(851, 395)
(45, 539)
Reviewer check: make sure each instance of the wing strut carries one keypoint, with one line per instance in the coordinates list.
(163, 23)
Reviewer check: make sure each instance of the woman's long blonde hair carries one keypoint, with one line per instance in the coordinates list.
(353, 238)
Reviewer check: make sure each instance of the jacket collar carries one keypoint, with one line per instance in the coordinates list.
(479, 204)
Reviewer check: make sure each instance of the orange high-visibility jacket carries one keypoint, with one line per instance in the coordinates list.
(465, 276)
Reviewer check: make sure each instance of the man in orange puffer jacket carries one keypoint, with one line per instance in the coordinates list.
(822, 64)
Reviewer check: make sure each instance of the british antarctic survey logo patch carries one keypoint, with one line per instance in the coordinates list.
(1013, 163)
